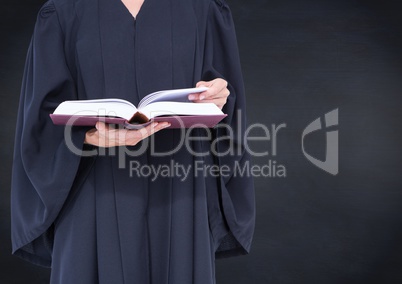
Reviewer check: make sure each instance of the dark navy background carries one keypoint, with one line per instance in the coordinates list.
(301, 59)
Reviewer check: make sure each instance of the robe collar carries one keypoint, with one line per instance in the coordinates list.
(151, 44)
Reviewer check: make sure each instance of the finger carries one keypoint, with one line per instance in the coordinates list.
(202, 95)
(219, 102)
(100, 125)
(140, 134)
(224, 93)
(148, 130)
(196, 96)
(158, 126)
(219, 83)
(217, 90)
(109, 135)
(221, 96)
(202, 84)
(208, 94)
(100, 134)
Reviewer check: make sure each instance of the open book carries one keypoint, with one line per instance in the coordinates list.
(171, 105)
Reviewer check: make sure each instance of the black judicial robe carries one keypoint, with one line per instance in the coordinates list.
(87, 215)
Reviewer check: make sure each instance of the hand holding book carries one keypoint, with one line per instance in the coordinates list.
(104, 135)
(170, 106)
(216, 93)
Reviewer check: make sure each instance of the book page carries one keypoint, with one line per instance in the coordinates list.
(179, 108)
(99, 107)
(177, 95)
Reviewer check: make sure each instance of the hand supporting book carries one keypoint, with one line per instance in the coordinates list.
(171, 106)
(104, 135)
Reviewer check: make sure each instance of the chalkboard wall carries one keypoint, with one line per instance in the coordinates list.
(324, 80)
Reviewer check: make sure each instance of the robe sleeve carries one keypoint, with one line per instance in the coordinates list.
(237, 204)
(44, 168)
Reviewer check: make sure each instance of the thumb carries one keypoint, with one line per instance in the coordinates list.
(202, 84)
(100, 126)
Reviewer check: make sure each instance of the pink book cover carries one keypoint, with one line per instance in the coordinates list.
(182, 121)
